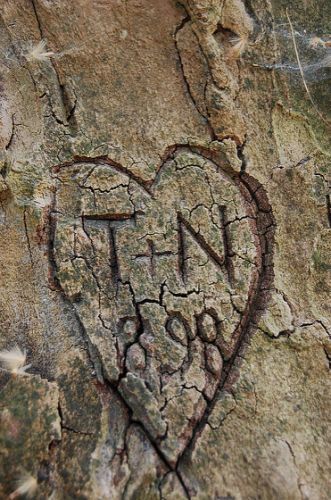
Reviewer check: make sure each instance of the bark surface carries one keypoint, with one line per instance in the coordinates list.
(165, 228)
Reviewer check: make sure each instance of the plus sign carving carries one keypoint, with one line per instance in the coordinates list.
(167, 279)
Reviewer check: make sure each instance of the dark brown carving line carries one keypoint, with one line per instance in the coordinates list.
(262, 225)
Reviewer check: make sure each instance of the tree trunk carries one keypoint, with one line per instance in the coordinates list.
(165, 249)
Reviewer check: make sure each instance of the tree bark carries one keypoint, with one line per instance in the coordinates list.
(165, 229)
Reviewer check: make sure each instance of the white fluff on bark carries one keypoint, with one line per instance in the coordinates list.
(14, 359)
(26, 485)
(38, 52)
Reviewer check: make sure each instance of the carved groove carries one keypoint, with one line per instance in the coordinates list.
(188, 346)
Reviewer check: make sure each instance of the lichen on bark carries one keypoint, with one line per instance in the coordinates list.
(165, 248)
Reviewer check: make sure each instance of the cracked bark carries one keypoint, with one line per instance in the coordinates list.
(156, 181)
(258, 195)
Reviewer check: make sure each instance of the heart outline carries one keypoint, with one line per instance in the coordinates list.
(256, 197)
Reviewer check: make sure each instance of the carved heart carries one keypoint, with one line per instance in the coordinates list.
(165, 278)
